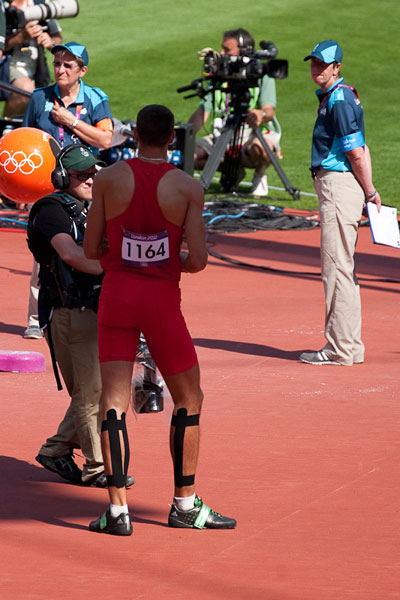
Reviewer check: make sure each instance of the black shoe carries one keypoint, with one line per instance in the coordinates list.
(62, 465)
(113, 525)
(199, 517)
(100, 481)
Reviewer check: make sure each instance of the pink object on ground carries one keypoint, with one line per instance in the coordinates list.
(22, 362)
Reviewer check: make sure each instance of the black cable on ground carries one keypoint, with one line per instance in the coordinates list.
(230, 216)
(241, 263)
(225, 215)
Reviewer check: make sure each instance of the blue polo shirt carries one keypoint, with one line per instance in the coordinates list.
(92, 102)
(339, 127)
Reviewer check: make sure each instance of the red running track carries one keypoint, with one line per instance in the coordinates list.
(306, 458)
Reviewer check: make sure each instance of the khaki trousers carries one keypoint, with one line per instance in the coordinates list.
(33, 319)
(340, 203)
(74, 335)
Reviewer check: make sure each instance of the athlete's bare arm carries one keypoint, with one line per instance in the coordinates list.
(112, 192)
(195, 231)
(181, 199)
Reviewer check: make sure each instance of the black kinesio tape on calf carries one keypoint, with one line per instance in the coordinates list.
(113, 426)
(180, 421)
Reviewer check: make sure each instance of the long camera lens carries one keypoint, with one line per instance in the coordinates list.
(58, 9)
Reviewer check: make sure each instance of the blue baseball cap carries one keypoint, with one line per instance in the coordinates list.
(76, 49)
(328, 51)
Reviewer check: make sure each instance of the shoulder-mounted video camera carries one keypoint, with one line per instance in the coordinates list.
(242, 71)
(16, 18)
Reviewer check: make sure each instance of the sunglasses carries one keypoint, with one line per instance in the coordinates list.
(67, 65)
(84, 176)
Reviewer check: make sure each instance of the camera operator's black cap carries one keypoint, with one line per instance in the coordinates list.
(328, 51)
(74, 48)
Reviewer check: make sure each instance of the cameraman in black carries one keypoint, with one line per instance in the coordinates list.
(261, 113)
(69, 286)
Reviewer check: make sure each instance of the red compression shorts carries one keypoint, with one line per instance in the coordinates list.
(129, 306)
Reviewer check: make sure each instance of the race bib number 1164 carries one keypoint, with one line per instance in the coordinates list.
(145, 250)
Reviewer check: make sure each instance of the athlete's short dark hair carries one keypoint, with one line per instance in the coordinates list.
(154, 124)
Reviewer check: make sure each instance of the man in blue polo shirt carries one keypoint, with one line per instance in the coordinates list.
(342, 173)
(71, 111)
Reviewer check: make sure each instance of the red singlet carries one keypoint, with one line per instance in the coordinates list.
(140, 291)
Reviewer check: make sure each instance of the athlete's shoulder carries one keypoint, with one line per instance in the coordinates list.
(114, 172)
(189, 188)
(184, 178)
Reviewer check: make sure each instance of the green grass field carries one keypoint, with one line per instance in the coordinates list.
(142, 51)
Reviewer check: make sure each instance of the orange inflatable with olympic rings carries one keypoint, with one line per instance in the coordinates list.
(27, 158)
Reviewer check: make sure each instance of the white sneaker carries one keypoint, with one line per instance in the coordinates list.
(32, 332)
(259, 186)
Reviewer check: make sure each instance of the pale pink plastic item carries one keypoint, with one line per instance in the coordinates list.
(22, 362)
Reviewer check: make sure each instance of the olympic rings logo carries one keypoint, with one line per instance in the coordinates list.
(20, 162)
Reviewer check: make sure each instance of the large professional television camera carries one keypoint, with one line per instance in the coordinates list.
(248, 67)
(242, 72)
(236, 75)
(16, 19)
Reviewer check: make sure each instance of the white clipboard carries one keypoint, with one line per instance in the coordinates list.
(384, 225)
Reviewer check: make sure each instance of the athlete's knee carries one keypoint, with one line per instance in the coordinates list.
(112, 404)
(117, 400)
(191, 401)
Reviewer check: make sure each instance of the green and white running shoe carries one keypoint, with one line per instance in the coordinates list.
(199, 517)
(113, 525)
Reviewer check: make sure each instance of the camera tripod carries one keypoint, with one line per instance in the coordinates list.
(232, 131)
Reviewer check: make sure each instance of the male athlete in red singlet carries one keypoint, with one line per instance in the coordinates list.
(141, 208)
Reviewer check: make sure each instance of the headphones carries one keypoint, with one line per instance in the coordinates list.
(243, 48)
(59, 176)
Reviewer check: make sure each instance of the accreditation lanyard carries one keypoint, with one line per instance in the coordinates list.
(61, 134)
(326, 96)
